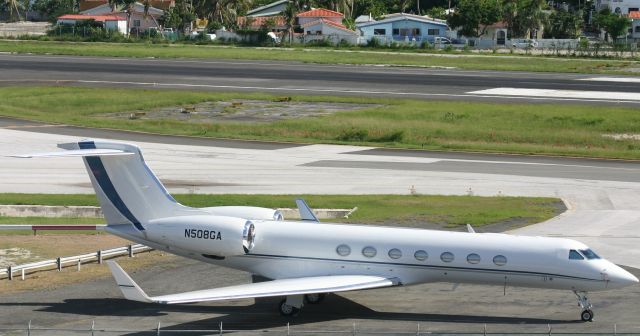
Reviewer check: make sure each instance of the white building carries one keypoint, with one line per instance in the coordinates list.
(619, 6)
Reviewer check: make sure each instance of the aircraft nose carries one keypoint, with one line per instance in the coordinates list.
(621, 278)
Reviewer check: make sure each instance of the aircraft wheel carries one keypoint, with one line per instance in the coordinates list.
(587, 315)
(314, 298)
(287, 310)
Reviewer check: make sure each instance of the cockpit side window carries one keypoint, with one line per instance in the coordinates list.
(590, 254)
(574, 255)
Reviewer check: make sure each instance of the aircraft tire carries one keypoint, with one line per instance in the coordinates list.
(587, 315)
(314, 298)
(287, 310)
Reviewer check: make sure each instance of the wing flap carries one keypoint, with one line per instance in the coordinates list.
(282, 287)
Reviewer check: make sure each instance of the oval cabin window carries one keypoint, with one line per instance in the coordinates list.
(395, 254)
(343, 250)
(447, 257)
(421, 255)
(500, 260)
(473, 258)
(369, 252)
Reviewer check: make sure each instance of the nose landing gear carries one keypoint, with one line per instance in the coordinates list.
(583, 302)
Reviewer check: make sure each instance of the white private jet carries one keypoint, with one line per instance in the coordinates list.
(306, 259)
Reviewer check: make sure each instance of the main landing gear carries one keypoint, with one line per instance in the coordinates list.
(291, 305)
(583, 302)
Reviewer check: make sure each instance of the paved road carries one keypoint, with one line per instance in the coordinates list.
(298, 78)
(436, 307)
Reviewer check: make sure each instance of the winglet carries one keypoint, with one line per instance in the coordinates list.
(305, 211)
(129, 288)
(470, 228)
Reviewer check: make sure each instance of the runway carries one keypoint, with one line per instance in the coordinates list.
(315, 79)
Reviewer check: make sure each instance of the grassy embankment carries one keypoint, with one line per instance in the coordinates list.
(326, 56)
(553, 129)
(405, 210)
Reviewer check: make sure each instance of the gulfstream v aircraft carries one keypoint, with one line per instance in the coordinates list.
(306, 259)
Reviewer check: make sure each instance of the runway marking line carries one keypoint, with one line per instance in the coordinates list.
(570, 94)
(612, 79)
(474, 94)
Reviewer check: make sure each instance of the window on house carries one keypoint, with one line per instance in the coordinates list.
(637, 29)
(433, 32)
(136, 23)
(379, 32)
(396, 31)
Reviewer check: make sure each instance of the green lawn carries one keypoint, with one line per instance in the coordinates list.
(553, 129)
(402, 210)
(326, 56)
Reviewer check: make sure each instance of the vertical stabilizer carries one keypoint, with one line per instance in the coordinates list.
(128, 191)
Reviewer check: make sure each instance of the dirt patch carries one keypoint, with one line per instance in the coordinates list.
(241, 111)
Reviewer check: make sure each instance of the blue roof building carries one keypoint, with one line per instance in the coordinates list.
(403, 27)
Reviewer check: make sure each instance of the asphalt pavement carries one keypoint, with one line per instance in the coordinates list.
(302, 78)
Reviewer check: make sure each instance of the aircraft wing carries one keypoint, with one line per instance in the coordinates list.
(282, 287)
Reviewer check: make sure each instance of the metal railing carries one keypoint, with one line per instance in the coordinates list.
(288, 330)
(61, 262)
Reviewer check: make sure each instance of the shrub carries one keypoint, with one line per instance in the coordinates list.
(353, 134)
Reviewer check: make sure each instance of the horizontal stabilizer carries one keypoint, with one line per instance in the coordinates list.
(76, 152)
(281, 287)
(129, 288)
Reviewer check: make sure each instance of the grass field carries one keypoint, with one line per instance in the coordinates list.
(552, 129)
(415, 58)
(405, 210)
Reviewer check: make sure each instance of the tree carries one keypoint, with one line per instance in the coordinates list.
(474, 16)
(14, 7)
(563, 24)
(51, 9)
(613, 24)
(437, 13)
(523, 16)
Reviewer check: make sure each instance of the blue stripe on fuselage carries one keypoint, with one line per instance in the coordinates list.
(101, 176)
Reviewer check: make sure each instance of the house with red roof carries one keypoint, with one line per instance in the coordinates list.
(325, 24)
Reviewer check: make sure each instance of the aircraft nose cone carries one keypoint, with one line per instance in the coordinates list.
(621, 278)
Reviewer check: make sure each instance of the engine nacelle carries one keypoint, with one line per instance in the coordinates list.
(248, 212)
(216, 236)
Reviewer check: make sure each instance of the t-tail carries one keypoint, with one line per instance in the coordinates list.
(130, 193)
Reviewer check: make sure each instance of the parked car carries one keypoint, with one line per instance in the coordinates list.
(200, 34)
(524, 43)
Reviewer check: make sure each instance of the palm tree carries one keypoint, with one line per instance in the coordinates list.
(289, 14)
(14, 8)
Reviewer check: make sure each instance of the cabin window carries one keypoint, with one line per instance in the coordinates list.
(421, 255)
(447, 257)
(500, 260)
(574, 255)
(369, 252)
(395, 253)
(473, 258)
(343, 250)
(590, 254)
(379, 32)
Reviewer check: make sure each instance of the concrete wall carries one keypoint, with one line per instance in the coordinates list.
(95, 212)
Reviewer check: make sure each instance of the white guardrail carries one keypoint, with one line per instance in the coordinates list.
(77, 260)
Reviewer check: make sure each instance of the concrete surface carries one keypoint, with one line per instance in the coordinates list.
(96, 212)
(604, 212)
(436, 307)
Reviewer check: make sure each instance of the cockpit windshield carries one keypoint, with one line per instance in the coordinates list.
(589, 254)
(574, 255)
